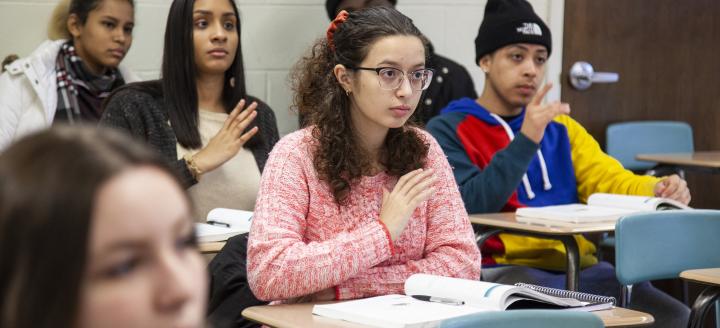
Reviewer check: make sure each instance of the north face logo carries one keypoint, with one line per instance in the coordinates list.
(530, 29)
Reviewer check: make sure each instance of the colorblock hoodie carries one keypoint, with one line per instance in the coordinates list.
(497, 168)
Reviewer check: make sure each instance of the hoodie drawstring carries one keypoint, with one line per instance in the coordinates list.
(543, 167)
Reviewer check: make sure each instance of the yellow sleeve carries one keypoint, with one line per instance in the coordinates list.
(596, 171)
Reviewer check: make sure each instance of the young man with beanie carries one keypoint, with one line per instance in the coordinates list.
(452, 81)
(509, 150)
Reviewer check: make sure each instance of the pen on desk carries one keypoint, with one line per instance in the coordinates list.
(218, 223)
(443, 300)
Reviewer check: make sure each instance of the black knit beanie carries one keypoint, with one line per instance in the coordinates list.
(508, 22)
(332, 5)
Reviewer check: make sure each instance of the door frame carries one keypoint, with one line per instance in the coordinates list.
(556, 22)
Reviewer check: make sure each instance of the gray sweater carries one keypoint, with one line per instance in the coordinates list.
(144, 116)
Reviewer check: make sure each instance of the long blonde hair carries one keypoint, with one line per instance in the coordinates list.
(57, 26)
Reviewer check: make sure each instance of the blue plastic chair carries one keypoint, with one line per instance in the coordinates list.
(660, 245)
(627, 139)
(526, 318)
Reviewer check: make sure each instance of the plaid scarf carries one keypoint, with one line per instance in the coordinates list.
(80, 92)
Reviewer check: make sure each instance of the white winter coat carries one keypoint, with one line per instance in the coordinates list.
(28, 93)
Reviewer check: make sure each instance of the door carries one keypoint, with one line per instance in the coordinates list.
(667, 53)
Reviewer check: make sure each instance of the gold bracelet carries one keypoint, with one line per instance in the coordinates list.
(192, 166)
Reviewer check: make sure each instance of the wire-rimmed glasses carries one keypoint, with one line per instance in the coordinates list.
(391, 78)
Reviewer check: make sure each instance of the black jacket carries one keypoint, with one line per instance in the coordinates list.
(451, 82)
(139, 109)
(229, 289)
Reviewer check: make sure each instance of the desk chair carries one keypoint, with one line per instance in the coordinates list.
(526, 318)
(660, 245)
(230, 293)
(626, 140)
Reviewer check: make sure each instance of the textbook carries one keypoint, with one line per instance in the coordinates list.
(600, 208)
(430, 299)
(223, 223)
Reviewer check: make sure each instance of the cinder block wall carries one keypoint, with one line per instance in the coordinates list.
(276, 33)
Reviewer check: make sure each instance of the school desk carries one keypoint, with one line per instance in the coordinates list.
(506, 222)
(211, 247)
(300, 316)
(707, 297)
(703, 161)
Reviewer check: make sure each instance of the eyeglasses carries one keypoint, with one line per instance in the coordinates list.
(391, 78)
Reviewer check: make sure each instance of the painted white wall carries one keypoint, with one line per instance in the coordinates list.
(277, 32)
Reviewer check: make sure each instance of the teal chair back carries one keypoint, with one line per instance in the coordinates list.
(627, 139)
(660, 245)
(526, 318)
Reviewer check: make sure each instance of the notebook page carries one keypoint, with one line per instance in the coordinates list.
(237, 219)
(637, 203)
(480, 294)
(574, 213)
(388, 311)
(210, 233)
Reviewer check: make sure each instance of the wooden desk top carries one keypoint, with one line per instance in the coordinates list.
(703, 276)
(507, 221)
(622, 317)
(211, 247)
(300, 316)
(708, 159)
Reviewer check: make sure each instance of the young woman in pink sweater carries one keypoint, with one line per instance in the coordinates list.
(358, 201)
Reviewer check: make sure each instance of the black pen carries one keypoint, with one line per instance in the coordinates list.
(442, 300)
(218, 223)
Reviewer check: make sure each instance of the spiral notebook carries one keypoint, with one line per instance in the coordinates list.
(498, 297)
(430, 299)
(562, 293)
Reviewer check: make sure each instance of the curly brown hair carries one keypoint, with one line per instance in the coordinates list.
(321, 101)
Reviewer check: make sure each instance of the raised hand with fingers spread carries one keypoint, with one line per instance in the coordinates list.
(229, 140)
(504, 159)
(539, 115)
(214, 135)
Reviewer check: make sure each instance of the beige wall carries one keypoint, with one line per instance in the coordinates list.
(276, 33)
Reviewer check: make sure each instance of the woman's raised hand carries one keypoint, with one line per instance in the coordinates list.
(411, 189)
(228, 141)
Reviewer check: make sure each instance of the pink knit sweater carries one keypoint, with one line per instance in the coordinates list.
(302, 242)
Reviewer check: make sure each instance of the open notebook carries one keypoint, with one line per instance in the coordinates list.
(430, 299)
(601, 208)
(223, 223)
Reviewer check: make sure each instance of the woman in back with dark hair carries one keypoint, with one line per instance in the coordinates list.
(359, 200)
(95, 231)
(66, 78)
(218, 137)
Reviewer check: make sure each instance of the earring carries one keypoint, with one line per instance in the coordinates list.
(347, 93)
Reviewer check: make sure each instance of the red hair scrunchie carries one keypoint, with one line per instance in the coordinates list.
(341, 17)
